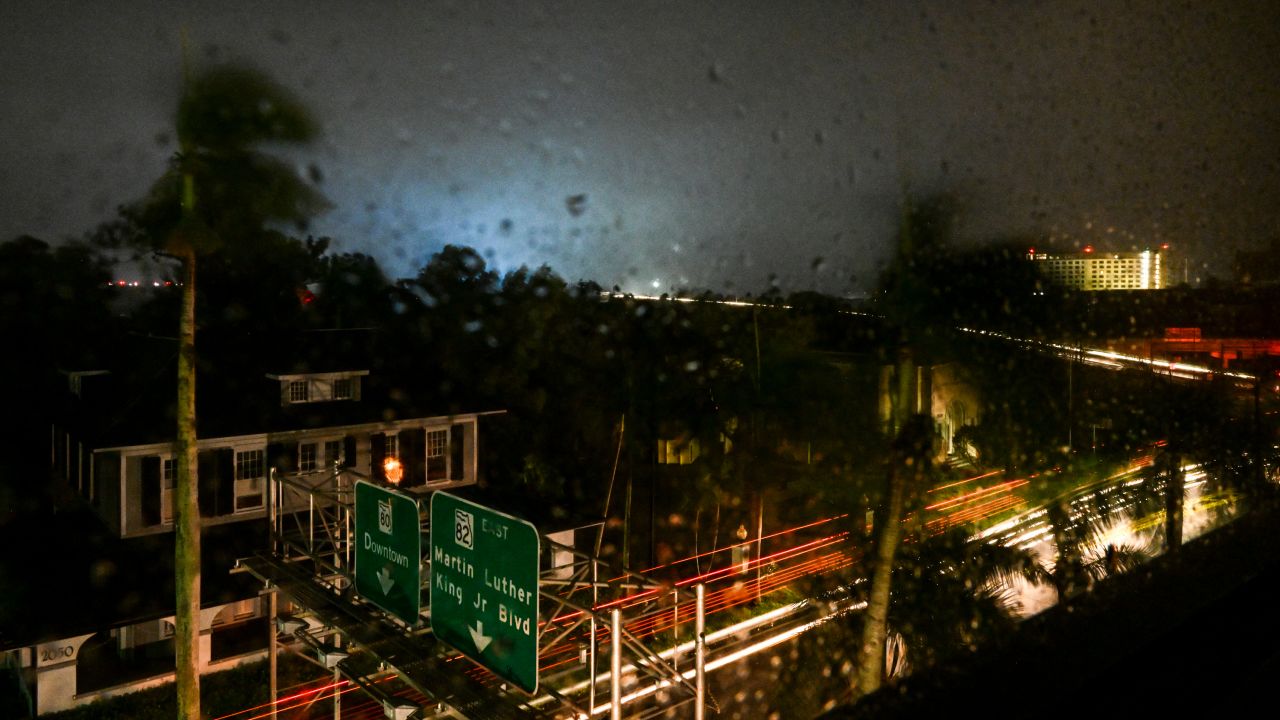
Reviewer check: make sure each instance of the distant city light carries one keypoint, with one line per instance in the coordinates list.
(141, 283)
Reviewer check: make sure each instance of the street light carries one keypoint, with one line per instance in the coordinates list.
(393, 470)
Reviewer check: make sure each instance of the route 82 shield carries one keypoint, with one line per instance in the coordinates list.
(463, 529)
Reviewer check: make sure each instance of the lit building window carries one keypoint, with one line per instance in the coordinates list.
(298, 391)
(249, 467)
(437, 454)
(680, 451)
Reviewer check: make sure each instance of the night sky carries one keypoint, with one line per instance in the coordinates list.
(717, 143)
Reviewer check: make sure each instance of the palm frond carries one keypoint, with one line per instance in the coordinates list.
(1115, 560)
(229, 107)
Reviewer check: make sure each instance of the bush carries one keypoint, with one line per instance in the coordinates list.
(221, 693)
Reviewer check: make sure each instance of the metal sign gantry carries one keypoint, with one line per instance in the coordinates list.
(599, 628)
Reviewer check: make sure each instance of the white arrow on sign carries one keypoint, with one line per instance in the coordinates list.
(384, 579)
(478, 637)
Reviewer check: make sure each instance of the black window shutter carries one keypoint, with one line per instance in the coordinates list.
(349, 451)
(457, 458)
(377, 452)
(227, 481)
(151, 490)
(413, 454)
(217, 482)
(283, 457)
(207, 468)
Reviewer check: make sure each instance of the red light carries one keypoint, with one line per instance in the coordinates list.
(1164, 246)
(1032, 251)
(1088, 248)
(122, 283)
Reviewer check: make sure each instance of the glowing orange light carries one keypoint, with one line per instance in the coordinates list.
(394, 470)
(1088, 248)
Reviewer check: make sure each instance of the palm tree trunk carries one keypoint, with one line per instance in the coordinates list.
(1174, 491)
(1066, 567)
(186, 550)
(715, 538)
(875, 624)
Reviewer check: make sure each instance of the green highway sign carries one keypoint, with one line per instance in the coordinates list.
(484, 587)
(388, 550)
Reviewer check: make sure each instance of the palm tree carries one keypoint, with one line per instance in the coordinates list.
(218, 196)
(950, 596)
(953, 594)
(909, 463)
(906, 295)
(1079, 526)
(1199, 424)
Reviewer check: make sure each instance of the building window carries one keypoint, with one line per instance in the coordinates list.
(307, 457)
(437, 455)
(680, 451)
(342, 389)
(332, 452)
(298, 391)
(249, 466)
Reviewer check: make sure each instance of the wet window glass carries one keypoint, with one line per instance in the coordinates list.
(848, 351)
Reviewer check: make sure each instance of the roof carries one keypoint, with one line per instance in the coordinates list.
(236, 395)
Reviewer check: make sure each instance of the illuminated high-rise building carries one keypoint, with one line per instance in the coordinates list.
(1093, 270)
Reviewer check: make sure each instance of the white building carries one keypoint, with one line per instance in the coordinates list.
(111, 447)
(1093, 270)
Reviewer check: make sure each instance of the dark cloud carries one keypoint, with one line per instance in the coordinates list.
(717, 142)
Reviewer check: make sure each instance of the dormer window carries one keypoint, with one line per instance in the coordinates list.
(319, 387)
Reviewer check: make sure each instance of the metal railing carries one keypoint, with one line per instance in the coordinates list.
(591, 610)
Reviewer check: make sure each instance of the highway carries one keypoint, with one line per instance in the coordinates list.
(821, 547)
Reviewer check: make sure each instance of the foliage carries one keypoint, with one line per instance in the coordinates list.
(222, 693)
(949, 595)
